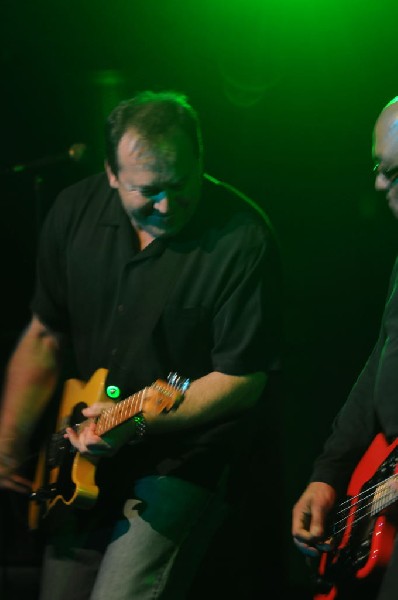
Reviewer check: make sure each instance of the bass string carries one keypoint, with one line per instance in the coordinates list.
(389, 496)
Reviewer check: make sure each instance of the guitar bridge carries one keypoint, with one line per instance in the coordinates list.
(44, 494)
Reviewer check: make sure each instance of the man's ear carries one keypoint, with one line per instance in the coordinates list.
(113, 180)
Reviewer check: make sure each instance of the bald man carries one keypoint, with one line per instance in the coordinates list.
(367, 420)
(385, 153)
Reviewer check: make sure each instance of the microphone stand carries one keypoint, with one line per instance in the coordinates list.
(76, 153)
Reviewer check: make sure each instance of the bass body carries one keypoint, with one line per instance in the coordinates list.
(365, 524)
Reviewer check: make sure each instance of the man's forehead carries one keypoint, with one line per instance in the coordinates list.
(390, 130)
(138, 147)
(385, 142)
(164, 148)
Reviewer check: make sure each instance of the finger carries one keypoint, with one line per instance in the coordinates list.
(70, 434)
(301, 522)
(74, 439)
(316, 528)
(96, 409)
(92, 411)
(306, 548)
(16, 484)
(80, 433)
(316, 544)
(325, 546)
(95, 444)
(87, 442)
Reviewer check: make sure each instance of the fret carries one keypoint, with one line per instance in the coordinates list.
(386, 494)
(121, 412)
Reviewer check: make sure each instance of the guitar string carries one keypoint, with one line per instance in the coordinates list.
(130, 406)
(115, 414)
(107, 418)
(390, 496)
(179, 383)
(369, 493)
(354, 522)
(110, 416)
(365, 492)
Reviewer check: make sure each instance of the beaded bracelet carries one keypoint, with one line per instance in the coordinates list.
(140, 427)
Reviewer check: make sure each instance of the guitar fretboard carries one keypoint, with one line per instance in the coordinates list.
(386, 494)
(120, 412)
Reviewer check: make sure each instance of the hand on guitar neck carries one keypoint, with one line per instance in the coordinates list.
(69, 478)
(86, 440)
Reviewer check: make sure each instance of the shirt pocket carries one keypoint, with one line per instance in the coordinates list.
(185, 335)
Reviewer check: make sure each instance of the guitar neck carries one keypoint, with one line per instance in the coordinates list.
(160, 396)
(119, 413)
(385, 495)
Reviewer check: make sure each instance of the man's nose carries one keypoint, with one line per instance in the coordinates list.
(381, 182)
(161, 202)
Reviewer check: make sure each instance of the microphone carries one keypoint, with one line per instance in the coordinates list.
(76, 153)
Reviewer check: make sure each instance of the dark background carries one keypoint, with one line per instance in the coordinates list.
(288, 93)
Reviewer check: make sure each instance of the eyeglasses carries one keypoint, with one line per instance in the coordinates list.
(155, 193)
(391, 174)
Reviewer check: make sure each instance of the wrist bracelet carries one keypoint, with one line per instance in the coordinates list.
(140, 427)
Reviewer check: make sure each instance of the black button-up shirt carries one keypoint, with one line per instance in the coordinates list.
(205, 300)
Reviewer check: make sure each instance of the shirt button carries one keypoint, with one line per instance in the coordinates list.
(120, 309)
(113, 351)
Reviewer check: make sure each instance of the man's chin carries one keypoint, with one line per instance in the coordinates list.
(163, 232)
(166, 227)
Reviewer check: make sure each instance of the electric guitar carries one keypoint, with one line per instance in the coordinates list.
(63, 475)
(365, 524)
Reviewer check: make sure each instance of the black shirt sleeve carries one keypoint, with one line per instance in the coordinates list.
(49, 301)
(357, 422)
(247, 325)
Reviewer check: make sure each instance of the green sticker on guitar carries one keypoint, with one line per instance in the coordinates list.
(112, 391)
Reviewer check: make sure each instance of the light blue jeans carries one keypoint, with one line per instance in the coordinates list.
(153, 552)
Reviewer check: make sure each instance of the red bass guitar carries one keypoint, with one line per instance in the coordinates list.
(365, 523)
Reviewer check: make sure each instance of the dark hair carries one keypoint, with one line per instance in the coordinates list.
(152, 114)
